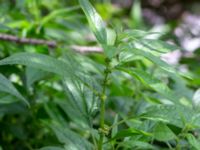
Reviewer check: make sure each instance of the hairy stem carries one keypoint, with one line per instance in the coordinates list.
(102, 107)
(178, 147)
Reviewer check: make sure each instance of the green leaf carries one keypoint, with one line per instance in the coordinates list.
(156, 60)
(7, 87)
(51, 148)
(57, 13)
(152, 82)
(81, 102)
(176, 115)
(153, 45)
(171, 71)
(193, 141)
(163, 132)
(126, 56)
(157, 45)
(13, 108)
(95, 21)
(134, 34)
(110, 51)
(68, 137)
(54, 113)
(7, 99)
(129, 132)
(137, 145)
(33, 75)
(4, 28)
(38, 61)
(111, 37)
(115, 128)
(136, 13)
(79, 87)
(63, 68)
(196, 98)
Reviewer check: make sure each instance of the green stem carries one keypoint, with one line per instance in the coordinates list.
(102, 107)
(178, 147)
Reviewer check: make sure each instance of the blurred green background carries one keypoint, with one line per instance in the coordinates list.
(63, 21)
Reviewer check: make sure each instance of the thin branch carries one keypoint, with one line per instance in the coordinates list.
(32, 41)
(12, 38)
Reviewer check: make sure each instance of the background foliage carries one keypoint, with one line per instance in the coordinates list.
(146, 67)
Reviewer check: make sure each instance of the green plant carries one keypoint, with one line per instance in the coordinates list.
(130, 100)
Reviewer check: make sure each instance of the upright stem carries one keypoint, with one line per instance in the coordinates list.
(102, 107)
(178, 147)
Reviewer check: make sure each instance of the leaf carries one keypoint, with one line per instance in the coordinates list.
(33, 75)
(126, 56)
(51, 148)
(57, 13)
(134, 34)
(139, 40)
(81, 101)
(193, 141)
(38, 61)
(79, 87)
(54, 113)
(111, 37)
(137, 145)
(156, 60)
(158, 45)
(176, 115)
(7, 87)
(171, 71)
(152, 82)
(163, 132)
(110, 51)
(4, 28)
(68, 137)
(136, 13)
(115, 128)
(129, 132)
(196, 98)
(13, 108)
(63, 68)
(95, 21)
(7, 99)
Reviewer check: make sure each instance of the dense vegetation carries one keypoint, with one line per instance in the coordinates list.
(71, 80)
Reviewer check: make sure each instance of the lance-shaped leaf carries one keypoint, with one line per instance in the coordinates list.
(138, 144)
(38, 61)
(95, 21)
(158, 45)
(51, 148)
(57, 13)
(7, 87)
(194, 142)
(134, 34)
(154, 83)
(156, 60)
(129, 132)
(171, 71)
(79, 87)
(81, 102)
(72, 140)
(43, 62)
(33, 75)
(176, 115)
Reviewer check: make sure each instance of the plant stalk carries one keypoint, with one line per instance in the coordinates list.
(102, 107)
